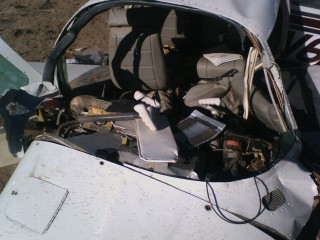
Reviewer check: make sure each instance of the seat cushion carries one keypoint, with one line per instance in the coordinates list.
(216, 89)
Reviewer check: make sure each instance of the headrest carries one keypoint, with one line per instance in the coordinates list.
(118, 17)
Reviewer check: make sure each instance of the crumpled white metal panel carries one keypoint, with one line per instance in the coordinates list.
(241, 197)
(314, 72)
(109, 201)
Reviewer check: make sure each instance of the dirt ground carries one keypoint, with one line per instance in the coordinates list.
(31, 27)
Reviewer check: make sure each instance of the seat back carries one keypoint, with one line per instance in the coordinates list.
(172, 33)
(135, 48)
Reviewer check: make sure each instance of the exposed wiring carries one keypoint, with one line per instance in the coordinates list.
(276, 89)
(165, 183)
(248, 79)
(254, 41)
(59, 116)
(63, 125)
(215, 206)
(269, 77)
(282, 122)
(70, 128)
(270, 231)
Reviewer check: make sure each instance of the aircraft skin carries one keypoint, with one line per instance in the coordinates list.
(304, 35)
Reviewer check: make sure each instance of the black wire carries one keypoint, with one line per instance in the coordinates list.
(271, 232)
(217, 211)
(168, 184)
(220, 214)
(70, 128)
(66, 124)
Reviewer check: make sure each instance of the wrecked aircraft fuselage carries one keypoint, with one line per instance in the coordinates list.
(188, 133)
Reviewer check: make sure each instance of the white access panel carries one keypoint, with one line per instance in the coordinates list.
(35, 203)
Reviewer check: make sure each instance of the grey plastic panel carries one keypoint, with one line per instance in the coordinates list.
(156, 146)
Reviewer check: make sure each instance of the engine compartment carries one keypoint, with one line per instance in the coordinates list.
(242, 149)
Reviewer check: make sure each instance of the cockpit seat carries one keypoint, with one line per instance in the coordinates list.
(137, 63)
(172, 34)
(135, 48)
(215, 83)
